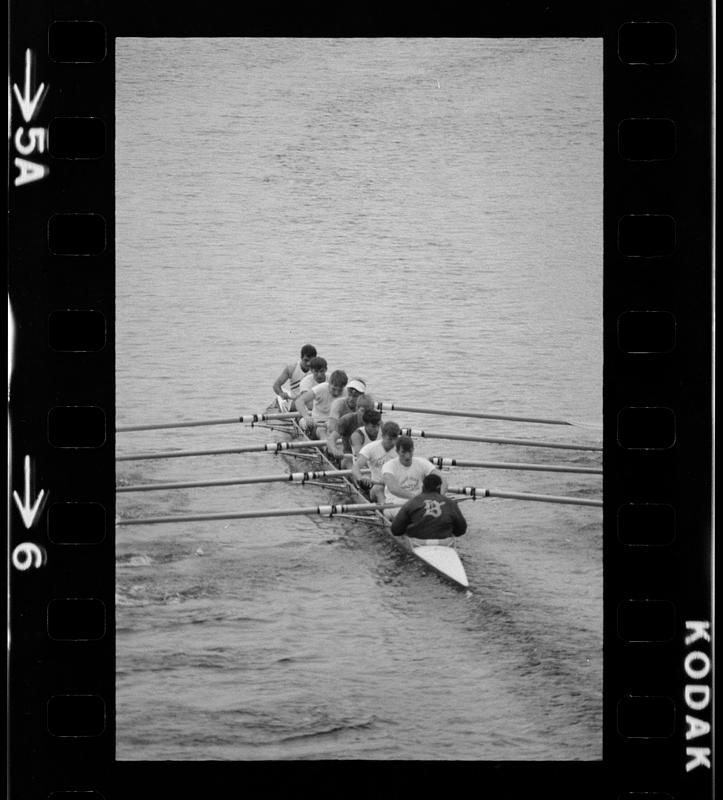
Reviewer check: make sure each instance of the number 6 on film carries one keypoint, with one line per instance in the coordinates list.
(27, 555)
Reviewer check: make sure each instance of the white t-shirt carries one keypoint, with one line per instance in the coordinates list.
(410, 478)
(322, 402)
(308, 382)
(377, 457)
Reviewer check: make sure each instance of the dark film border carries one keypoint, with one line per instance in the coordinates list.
(657, 400)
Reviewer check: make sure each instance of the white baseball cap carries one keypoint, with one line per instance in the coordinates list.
(357, 384)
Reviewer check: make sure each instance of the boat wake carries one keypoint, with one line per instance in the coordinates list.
(328, 727)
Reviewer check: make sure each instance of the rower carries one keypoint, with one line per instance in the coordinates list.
(345, 404)
(375, 455)
(355, 429)
(293, 373)
(368, 431)
(316, 374)
(430, 517)
(319, 398)
(404, 474)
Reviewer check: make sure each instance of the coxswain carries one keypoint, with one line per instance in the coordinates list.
(430, 517)
(375, 455)
(404, 474)
(292, 374)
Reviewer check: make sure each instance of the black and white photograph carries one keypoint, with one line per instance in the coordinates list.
(359, 399)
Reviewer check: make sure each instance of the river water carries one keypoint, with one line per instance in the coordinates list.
(428, 213)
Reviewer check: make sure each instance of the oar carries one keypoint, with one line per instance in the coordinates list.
(324, 511)
(475, 493)
(294, 477)
(273, 447)
(456, 462)
(200, 422)
(465, 438)
(386, 406)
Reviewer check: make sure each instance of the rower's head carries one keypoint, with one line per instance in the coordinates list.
(405, 450)
(390, 433)
(363, 404)
(371, 419)
(431, 483)
(318, 366)
(308, 351)
(337, 382)
(355, 389)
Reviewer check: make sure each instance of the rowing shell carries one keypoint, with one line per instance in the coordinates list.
(443, 559)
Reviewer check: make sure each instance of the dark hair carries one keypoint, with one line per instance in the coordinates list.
(308, 350)
(317, 362)
(391, 429)
(338, 377)
(405, 443)
(431, 482)
(372, 415)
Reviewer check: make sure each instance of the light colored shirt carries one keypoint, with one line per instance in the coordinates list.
(410, 478)
(308, 382)
(366, 439)
(297, 374)
(322, 402)
(377, 457)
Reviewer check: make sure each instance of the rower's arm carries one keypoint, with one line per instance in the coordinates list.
(401, 521)
(332, 440)
(302, 403)
(309, 395)
(332, 434)
(280, 381)
(357, 466)
(357, 442)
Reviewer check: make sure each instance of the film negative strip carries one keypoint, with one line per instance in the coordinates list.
(654, 726)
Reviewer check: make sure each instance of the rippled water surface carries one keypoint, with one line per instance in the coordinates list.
(429, 214)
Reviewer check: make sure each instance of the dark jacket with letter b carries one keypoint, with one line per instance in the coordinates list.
(429, 515)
